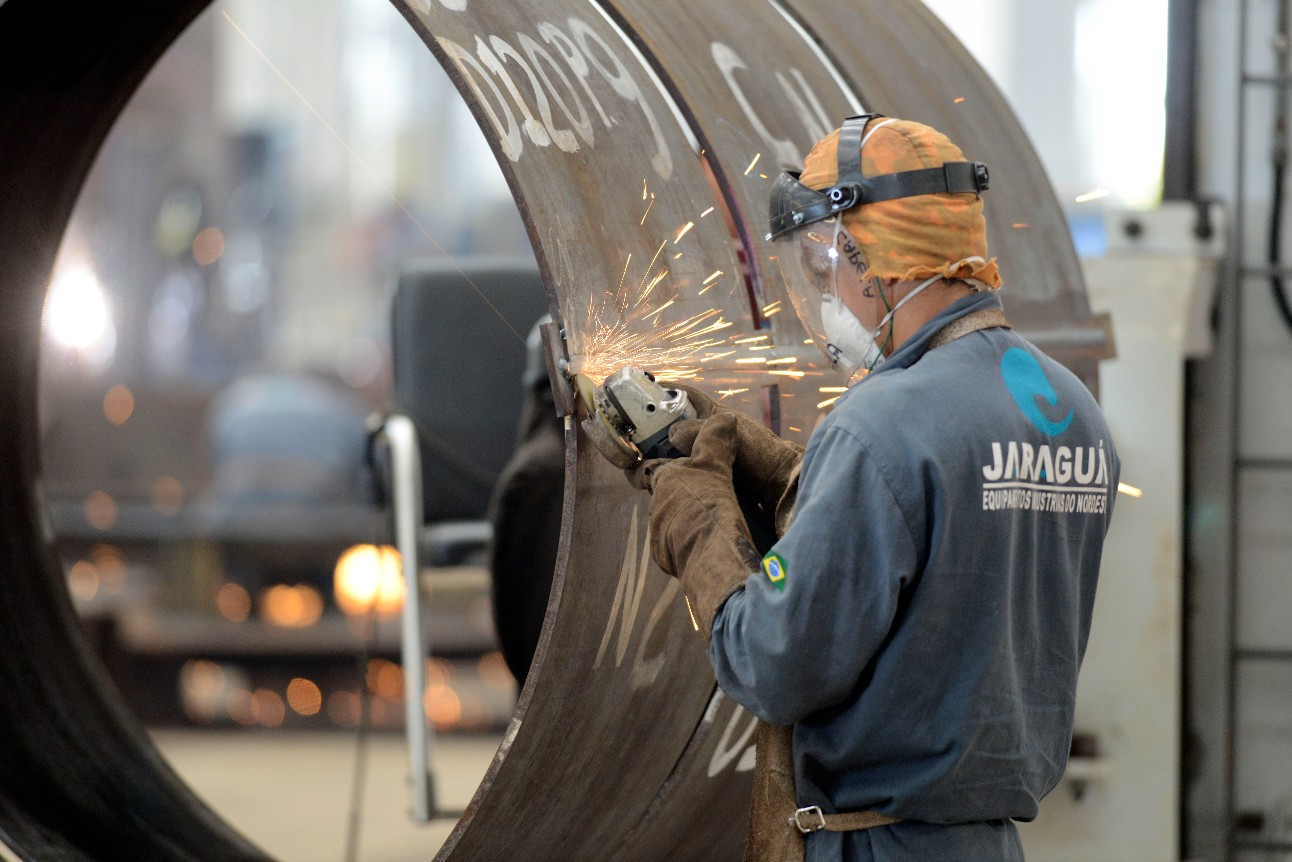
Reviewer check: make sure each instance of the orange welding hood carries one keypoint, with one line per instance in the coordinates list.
(907, 195)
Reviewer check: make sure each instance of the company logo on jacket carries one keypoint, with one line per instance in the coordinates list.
(1046, 477)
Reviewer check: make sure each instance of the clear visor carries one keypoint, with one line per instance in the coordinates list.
(810, 261)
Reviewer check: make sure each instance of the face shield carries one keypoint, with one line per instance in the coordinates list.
(818, 255)
(815, 263)
(820, 264)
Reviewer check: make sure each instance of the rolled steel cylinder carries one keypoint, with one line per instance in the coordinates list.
(621, 746)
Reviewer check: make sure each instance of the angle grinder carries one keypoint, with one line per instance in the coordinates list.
(628, 420)
(630, 414)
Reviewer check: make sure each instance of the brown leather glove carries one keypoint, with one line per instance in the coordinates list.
(765, 468)
(703, 404)
(698, 532)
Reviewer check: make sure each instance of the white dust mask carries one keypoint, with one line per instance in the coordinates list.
(850, 346)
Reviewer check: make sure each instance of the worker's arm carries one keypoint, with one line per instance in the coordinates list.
(698, 532)
(797, 639)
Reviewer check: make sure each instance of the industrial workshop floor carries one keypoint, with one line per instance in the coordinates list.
(290, 792)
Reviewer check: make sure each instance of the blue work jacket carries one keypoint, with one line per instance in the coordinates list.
(922, 620)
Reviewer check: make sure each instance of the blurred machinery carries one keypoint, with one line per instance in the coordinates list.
(444, 451)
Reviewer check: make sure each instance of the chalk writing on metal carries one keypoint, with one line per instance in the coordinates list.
(626, 608)
(518, 87)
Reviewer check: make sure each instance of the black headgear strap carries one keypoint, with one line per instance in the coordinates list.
(794, 205)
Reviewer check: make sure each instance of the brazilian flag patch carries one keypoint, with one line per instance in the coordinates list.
(774, 566)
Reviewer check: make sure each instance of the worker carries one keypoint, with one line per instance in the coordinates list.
(913, 637)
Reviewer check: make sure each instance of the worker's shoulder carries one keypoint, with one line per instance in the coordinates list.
(1000, 355)
(971, 378)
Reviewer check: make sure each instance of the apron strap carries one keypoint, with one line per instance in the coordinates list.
(813, 819)
(988, 318)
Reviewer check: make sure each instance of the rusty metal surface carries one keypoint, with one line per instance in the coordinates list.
(617, 126)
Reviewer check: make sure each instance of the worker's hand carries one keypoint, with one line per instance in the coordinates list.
(703, 404)
(765, 467)
(642, 477)
(698, 532)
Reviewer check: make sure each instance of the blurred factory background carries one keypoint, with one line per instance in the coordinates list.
(218, 335)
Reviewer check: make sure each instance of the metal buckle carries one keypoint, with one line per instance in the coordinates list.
(797, 819)
(982, 176)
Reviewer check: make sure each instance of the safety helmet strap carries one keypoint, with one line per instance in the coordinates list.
(794, 205)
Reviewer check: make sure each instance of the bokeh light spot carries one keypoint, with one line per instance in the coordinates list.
(304, 696)
(208, 246)
(385, 678)
(100, 510)
(83, 581)
(295, 607)
(119, 404)
(233, 602)
(267, 708)
(368, 579)
(168, 495)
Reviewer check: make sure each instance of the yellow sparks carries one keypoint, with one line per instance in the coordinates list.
(643, 190)
(653, 259)
(960, 100)
(763, 347)
(706, 212)
(764, 176)
(654, 281)
(826, 403)
(808, 341)
(657, 311)
(789, 360)
(772, 307)
(1020, 225)
(772, 313)
(796, 430)
(756, 360)
(1093, 195)
(757, 156)
(797, 375)
(625, 272)
(1129, 490)
(605, 347)
(683, 232)
(833, 389)
(728, 392)
(648, 207)
(753, 340)
(678, 256)
(709, 282)
(643, 290)
(712, 357)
